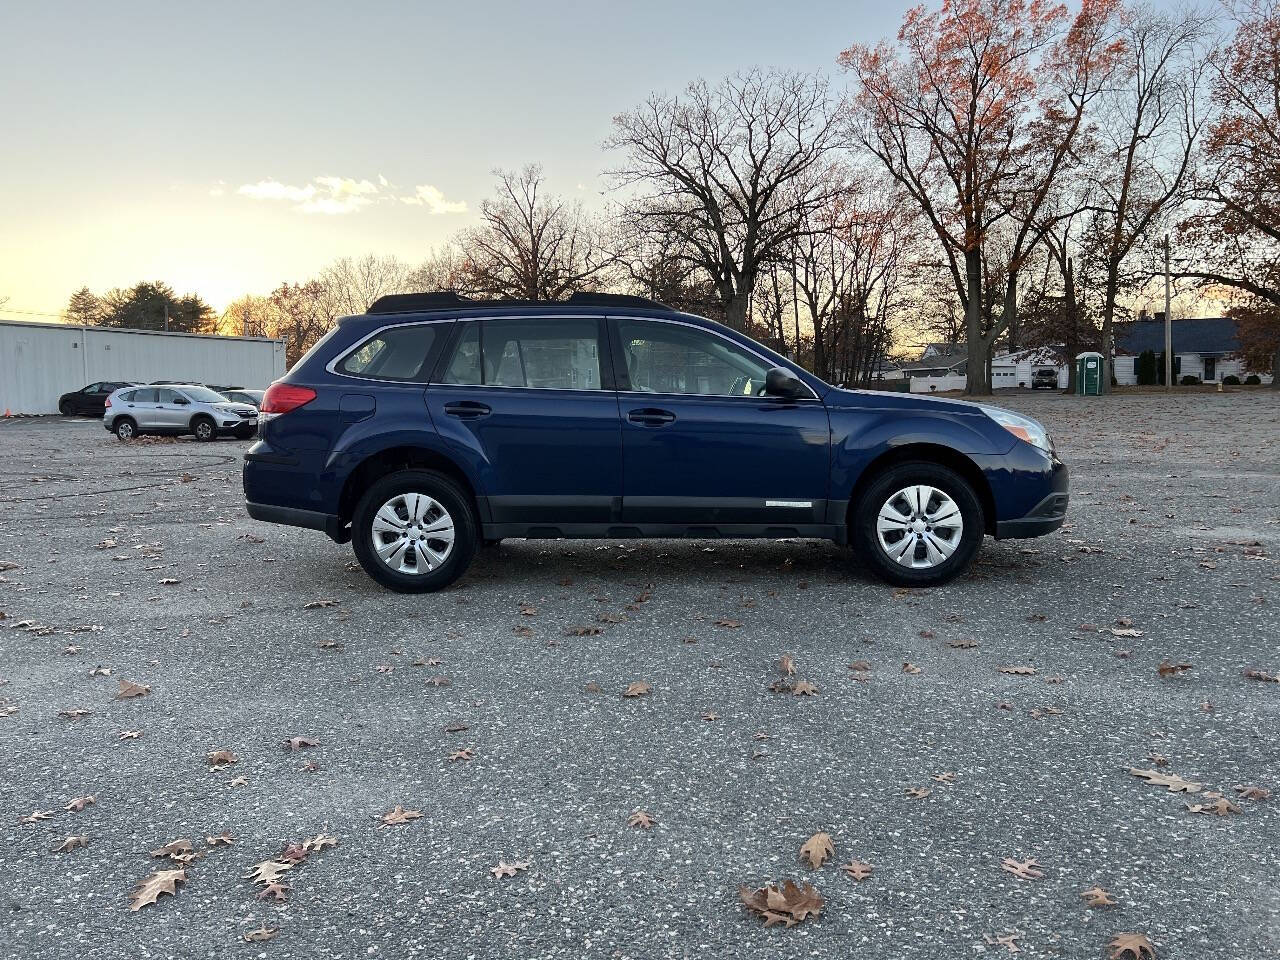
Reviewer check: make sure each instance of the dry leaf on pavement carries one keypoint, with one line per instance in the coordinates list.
(275, 890)
(1171, 781)
(1131, 946)
(79, 803)
(466, 753)
(1097, 897)
(787, 665)
(1221, 807)
(261, 935)
(154, 885)
(72, 843)
(1019, 671)
(910, 668)
(294, 744)
(1022, 869)
(1253, 793)
(1167, 669)
(917, 793)
(788, 903)
(642, 820)
(857, 870)
(129, 689)
(803, 688)
(504, 869)
(173, 848)
(397, 816)
(268, 871)
(637, 688)
(816, 850)
(217, 759)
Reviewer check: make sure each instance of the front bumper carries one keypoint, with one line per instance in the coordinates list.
(1046, 516)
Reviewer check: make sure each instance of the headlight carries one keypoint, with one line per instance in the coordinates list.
(1024, 428)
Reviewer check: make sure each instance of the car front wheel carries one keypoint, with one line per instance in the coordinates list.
(414, 531)
(204, 429)
(918, 524)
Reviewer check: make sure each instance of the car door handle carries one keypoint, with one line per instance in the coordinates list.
(467, 409)
(651, 417)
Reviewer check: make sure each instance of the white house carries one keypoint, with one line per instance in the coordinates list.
(1203, 347)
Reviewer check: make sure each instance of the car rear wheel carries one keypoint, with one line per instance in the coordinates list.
(918, 524)
(204, 429)
(414, 531)
(125, 428)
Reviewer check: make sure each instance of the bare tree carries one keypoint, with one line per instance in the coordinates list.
(304, 312)
(1146, 124)
(719, 167)
(249, 316)
(975, 113)
(355, 284)
(532, 245)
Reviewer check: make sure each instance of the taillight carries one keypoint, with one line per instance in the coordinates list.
(107, 403)
(284, 397)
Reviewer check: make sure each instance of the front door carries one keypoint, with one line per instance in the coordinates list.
(528, 402)
(170, 414)
(701, 444)
(1210, 369)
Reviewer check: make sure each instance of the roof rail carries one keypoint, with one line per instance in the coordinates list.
(412, 302)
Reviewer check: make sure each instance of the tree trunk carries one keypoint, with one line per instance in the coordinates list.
(1108, 314)
(735, 309)
(977, 383)
(1073, 323)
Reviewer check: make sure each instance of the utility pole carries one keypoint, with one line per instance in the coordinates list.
(166, 299)
(1168, 323)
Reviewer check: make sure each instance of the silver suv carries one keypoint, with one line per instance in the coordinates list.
(177, 408)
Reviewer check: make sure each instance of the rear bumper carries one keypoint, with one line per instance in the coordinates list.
(293, 517)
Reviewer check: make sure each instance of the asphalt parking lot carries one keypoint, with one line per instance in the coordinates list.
(139, 559)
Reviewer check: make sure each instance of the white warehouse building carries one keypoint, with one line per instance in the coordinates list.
(41, 361)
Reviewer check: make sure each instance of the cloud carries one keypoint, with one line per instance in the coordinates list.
(334, 196)
(425, 195)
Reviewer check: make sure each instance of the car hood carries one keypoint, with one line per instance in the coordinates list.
(891, 400)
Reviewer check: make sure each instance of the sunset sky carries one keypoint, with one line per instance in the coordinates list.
(225, 148)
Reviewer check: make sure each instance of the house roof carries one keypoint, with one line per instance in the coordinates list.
(1200, 335)
(932, 350)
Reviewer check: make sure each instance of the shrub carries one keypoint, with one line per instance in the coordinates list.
(1189, 380)
(1231, 380)
(1253, 380)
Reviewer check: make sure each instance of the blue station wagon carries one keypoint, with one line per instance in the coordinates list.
(434, 425)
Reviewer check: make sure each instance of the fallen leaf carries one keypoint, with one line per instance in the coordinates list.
(129, 689)
(910, 668)
(788, 903)
(965, 644)
(1009, 940)
(1131, 946)
(79, 803)
(1125, 632)
(588, 631)
(816, 850)
(398, 815)
(1019, 671)
(74, 714)
(504, 869)
(1022, 869)
(641, 819)
(787, 665)
(466, 753)
(217, 759)
(268, 871)
(36, 815)
(857, 870)
(262, 934)
(728, 624)
(321, 841)
(1096, 897)
(1253, 674)
(1218, 808)
(593, 687)
(1253, 793)
(637, 688)
(277, 891)
(917, 793)
(316, 604)
(72, 843)
(154, 885)
(945, 777)
(1171, 781)
(803, 688)
(1167, 669)
(294, 744)
(456, 726)
(173, 848)
(860, 666)
(221, 840)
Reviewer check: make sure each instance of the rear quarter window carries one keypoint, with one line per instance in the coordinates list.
(400, 353)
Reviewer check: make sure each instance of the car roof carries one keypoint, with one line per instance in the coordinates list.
(444, 300)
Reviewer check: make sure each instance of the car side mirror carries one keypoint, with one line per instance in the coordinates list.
(779, 382)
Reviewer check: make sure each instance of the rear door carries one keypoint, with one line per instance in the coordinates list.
(701, 444)
(141, 405)
(528, 402)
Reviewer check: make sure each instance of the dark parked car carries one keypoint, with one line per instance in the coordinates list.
(1044, 377)
(88, 401)
(434, 424)
(241, 395)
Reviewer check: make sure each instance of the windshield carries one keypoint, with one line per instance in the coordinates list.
(203, 395)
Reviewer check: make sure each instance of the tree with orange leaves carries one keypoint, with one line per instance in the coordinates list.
(975, 112)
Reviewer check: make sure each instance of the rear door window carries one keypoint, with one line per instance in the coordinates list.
(399, 353)
(146, 395)
(555, 353)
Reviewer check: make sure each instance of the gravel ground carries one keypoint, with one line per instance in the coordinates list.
(1173, 532)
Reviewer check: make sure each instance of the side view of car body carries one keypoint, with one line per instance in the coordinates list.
(176, 409)
(434, 424)
(91, 400)
(241, 395)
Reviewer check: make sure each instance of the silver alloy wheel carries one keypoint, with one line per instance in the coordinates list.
(919, 527)
(124, 430)
(412, 533)
(204, 430)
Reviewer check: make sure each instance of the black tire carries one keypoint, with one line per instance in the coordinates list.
(450, 496)
(125, 428)
(866, 540)
(64, 408)
(204, 429)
